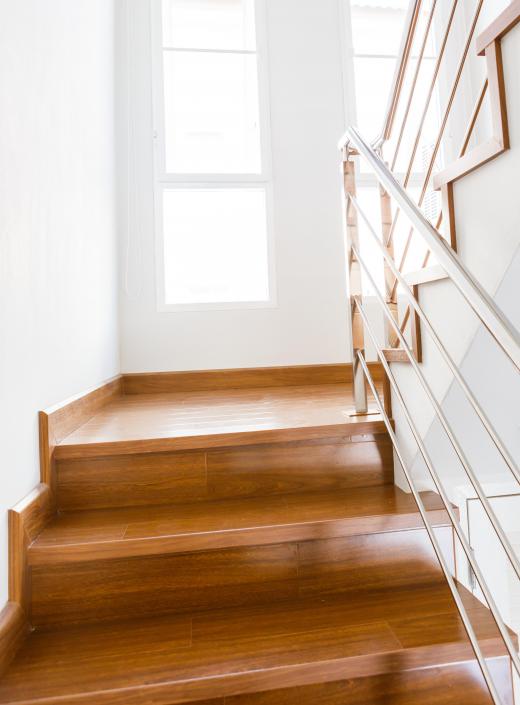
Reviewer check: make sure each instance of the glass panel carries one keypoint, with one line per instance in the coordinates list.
(209, 24)
(215, 245)
(211, 113)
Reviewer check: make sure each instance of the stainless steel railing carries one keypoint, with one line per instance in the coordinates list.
(468, 626)
(491, 317)
(482, 304)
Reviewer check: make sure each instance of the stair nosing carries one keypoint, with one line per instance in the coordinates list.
(76, 451)
(248, 536)
(284, 676)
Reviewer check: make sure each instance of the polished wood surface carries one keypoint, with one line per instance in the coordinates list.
(238, 573)
(163, 422)
(246, 650)
(461, 684)
(122, 587)
(249, 378)
(245, 471)
(26, 521)
(396, 355)
(14, 628)
(57, 422)
(117, 533)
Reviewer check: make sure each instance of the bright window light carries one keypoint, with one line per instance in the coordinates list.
(215, 246)
(212, 156)
(209, 24)
(211, 113)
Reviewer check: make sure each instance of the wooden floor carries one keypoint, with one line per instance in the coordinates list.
(134, 531)
(195, 418)
(268, 647)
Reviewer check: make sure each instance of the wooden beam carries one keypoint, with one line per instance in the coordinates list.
(503, 24)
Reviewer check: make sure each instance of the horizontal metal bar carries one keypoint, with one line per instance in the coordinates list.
(482, 304)
(436, 547)
(446, 502)
(408, 291)
(506, 545)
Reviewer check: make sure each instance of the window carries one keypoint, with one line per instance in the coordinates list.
(212, 184)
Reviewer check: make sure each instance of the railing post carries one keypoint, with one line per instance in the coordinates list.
(357, 335)
(391, 338)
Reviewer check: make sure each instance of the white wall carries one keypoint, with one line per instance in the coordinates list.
(307, 118)
(58, 245)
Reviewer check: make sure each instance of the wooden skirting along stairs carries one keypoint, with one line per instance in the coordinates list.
(231, 539)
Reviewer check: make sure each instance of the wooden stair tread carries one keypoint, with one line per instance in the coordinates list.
(174, 659)
(162, 422)
(90, 535)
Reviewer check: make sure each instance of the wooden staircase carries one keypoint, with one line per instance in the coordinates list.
(237, 546)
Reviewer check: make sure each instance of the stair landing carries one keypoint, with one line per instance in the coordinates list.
(179, 421)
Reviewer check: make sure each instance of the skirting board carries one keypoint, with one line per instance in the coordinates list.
(249, 378)
(13, 629)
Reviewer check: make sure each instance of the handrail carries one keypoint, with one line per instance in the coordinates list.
(412, 17)
(444, 422)
(436, 547)
(487, 312)
(407, 290)
(482, 304)
(444, 498)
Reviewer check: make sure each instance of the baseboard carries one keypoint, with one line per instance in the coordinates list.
(249, 378)
(26, 520)
(14, 627)
(59, 421)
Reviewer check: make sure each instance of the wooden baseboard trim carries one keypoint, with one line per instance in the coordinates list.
(503, 24)
(58, 421)
(396, 355)
(26, 520)
(250, 378)
(14, 627)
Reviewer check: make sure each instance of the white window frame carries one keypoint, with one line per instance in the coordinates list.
(164, 180)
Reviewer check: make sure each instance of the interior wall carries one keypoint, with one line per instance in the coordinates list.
(307, 117)
(58, 239)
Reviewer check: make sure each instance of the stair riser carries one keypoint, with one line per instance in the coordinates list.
(178, 477)
(128, 588)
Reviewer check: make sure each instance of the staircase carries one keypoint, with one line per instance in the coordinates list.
(237, 538)
(240, 546)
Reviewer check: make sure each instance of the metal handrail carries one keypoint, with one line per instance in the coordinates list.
(444, 422)
(407, 290)
(488, 313)
(436, 547)
(482, 304)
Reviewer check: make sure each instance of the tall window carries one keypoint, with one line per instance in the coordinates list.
(212, 157)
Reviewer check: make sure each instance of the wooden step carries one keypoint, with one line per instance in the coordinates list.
(329, 464)
(112, 564)
(279, 653)
(193, 420)
(141, 450)
(147, 531)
